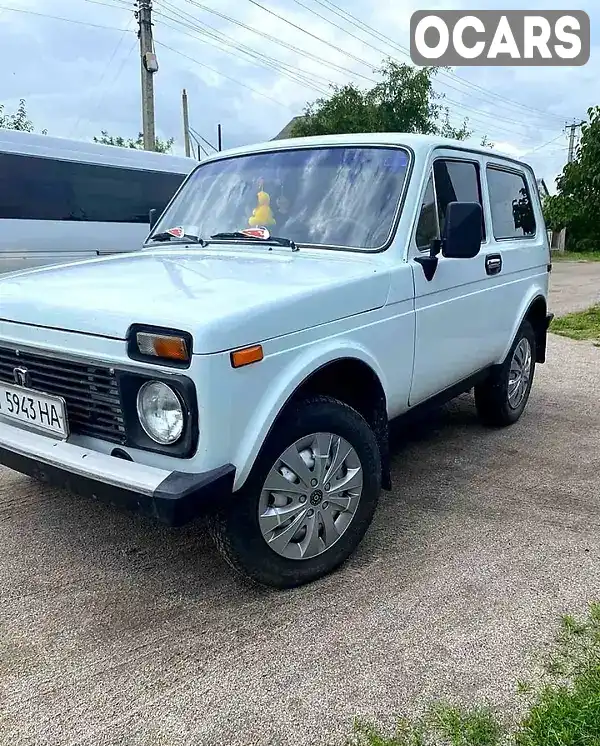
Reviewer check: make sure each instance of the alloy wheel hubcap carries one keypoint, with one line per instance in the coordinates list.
(310, 496)
(519, 374)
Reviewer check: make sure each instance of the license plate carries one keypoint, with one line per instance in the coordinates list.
(40, 411)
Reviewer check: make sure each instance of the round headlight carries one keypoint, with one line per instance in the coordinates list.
(160, 412)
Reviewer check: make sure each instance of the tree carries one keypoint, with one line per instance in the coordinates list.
(403, 101)
(162, 146)
(17, 121)
(576, 205)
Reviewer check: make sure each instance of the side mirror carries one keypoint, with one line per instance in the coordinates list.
(462, 230)
(153, 217)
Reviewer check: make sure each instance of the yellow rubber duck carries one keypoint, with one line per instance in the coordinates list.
(262, 213)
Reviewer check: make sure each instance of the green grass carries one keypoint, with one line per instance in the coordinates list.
(576, 256)
(579, 325)
(562, 707)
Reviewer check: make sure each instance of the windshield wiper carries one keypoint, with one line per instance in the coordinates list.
(239, 236)
(185, 238)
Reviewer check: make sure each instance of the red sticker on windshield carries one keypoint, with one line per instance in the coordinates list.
(256, 232)
(177, 232)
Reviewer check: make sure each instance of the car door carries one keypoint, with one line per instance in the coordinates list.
(454, 311)
(518, 239)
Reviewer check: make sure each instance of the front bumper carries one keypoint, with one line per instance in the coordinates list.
(171, 497)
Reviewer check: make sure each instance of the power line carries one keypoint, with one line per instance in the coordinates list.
(256, 57)
(539, 147)
(353, 20)
(492, 116)
(275, 40)
(218, 72)
(192, 22)
(309, 33)
(210, 145)
(471, 111)
(383, 52)
(124, 4)
(105, 71)
(60, 18)
(199, 144)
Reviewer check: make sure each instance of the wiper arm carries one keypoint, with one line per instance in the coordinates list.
(240, 236)
(183, 238)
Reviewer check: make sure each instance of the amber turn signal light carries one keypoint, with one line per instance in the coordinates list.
(246, 356)
(163, 346)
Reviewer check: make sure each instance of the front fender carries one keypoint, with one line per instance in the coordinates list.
(299, 366)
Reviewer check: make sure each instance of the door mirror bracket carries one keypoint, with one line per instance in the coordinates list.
(429, 262)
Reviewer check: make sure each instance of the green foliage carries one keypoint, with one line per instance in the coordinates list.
(162, 146)
(18, 120)
(566, 710)
(576, 256)
(562, 708)
(403, 101)
(576, 205)
(443, 724)
(579, 325)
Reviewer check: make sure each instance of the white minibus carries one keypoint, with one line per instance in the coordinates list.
(64, 200)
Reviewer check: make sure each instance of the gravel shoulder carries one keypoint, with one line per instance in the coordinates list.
(115, 631)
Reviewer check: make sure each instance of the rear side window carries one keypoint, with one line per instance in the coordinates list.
(510, 203)
(33, 188)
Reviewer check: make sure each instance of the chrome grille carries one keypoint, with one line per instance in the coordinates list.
(90, 391)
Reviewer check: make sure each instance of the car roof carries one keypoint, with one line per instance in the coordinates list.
(420, 144)
(61, 148)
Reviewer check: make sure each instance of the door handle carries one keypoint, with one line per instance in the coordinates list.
(493, 264)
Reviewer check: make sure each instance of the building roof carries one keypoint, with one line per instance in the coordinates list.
(287, 130)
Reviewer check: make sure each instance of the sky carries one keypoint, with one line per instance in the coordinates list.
(76, 63)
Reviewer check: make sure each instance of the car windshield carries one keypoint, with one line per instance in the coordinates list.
(334, 196)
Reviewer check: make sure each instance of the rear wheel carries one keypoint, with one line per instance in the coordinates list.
(309, 500)
(501, 398)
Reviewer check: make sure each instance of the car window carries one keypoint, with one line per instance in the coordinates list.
(456, 181)
(35, 188)
(427, 225)
(328, 196)
(510, 203)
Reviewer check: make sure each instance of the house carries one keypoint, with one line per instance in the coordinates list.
(287, 130)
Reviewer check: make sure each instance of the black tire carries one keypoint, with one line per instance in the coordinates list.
(491, 396)
(236, 529)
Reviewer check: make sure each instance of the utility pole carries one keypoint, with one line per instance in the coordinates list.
(219, 137)
(573, 128)
(561, 242)
(149, 66)
(186, 123)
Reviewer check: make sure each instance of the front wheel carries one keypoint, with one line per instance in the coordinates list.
(502, 397)
(309, 499)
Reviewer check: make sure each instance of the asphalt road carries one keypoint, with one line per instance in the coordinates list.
(575, 286)
(114, 631)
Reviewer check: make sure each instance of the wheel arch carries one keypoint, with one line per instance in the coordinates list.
(534, 309)
(351, 375)
(536, 314)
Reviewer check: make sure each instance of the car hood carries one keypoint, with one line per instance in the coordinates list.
(224, 297)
